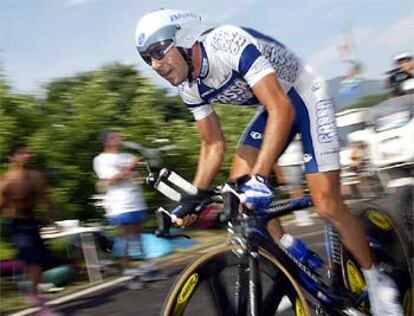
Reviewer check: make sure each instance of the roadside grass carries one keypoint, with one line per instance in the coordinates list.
(6, 250)
(10, 296)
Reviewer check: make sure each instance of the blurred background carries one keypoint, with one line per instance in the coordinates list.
(69, 69)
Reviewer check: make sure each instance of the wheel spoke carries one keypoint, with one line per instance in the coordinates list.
(218, 293)
(223, 278)
(274, 295)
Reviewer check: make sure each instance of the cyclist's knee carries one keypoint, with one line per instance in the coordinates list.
(331, 209)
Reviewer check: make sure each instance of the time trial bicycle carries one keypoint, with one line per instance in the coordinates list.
(250, 274)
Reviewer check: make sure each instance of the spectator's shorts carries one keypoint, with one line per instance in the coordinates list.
(128, 218)
(25, 236)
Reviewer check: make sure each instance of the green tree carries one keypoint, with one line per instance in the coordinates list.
(62, 129)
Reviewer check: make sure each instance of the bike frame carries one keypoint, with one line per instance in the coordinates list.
(334, 297)
(248, 230)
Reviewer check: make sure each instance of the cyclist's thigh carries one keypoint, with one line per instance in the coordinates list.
(324, 186)
(315, 121)
(253, 133)
(249, 144)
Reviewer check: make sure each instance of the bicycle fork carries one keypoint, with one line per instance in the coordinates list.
(255, 284)
(248, 290)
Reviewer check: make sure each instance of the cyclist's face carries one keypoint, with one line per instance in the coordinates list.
(407, 65)
(172, 67)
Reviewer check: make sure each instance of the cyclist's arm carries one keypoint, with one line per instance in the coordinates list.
(211, 152)
(246, 59)
(279, 122)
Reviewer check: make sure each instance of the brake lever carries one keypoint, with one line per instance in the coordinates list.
(151, 178)
(165, 221)
(228, 189)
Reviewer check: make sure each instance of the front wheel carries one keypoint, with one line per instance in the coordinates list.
(217, 284)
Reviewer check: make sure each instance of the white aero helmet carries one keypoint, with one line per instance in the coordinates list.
(402, 56)
(166, 28)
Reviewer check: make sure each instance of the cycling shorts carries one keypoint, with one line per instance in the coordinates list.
(314, 120)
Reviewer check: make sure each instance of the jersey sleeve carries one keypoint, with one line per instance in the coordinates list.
(258, 69)
(200, 111)
(240, 50)
(194, 103)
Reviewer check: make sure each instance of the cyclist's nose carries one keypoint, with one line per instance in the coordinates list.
(156, 64)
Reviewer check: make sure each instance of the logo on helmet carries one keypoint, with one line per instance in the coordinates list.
(182, 15)
(141, 38)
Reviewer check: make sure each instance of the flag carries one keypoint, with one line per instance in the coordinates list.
(350, 82)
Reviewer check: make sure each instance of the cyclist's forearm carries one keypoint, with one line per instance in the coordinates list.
(277, 130)
(209, 163)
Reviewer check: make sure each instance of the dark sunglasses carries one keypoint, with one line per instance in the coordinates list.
(157, 51)
(405, 59)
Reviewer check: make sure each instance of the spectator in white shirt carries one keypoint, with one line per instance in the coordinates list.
(123, 203)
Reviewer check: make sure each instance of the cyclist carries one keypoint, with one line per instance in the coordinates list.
(233, 65)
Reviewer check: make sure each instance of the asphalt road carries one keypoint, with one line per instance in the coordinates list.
(147, 302)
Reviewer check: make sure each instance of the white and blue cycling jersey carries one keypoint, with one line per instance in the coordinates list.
(234, 59)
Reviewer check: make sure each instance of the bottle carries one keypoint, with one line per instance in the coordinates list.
(297, 248)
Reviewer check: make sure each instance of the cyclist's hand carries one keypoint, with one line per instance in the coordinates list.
(186, 214)
(187, 221)
(258, 195)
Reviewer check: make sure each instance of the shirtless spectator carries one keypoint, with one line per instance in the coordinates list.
(21, 189)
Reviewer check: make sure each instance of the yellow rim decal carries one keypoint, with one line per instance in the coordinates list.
(407, 302)
(299, 310)
(355, 279)
(379, 219)
(188, 288)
